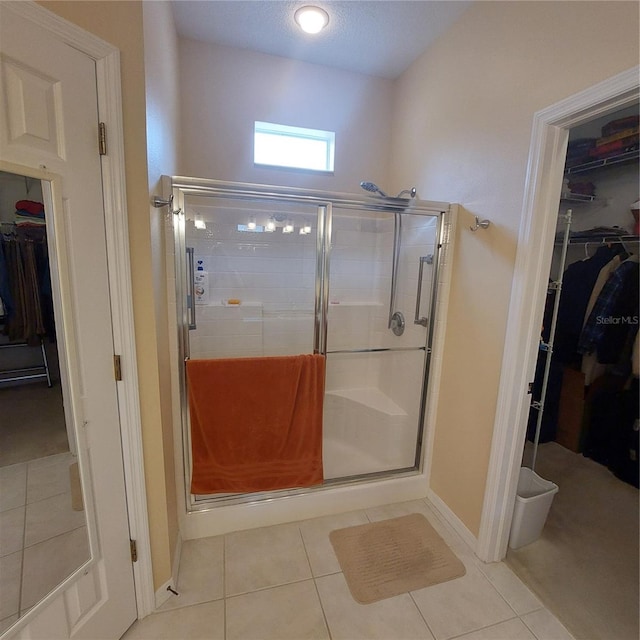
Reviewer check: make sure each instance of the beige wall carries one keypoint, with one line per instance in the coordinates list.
(462, 127)
(163, 143)
(224, 90)
(121, 24)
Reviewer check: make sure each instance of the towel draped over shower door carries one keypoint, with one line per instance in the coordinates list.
(256, 423)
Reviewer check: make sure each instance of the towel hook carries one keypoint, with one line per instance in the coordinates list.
(480, 224)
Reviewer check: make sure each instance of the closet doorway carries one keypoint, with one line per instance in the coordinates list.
(585, 436)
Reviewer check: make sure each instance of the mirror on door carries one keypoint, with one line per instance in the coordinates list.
(43, 522)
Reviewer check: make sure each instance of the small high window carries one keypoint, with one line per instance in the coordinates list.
(279, 145)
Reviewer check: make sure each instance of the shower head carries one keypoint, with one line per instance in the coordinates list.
(373, 188)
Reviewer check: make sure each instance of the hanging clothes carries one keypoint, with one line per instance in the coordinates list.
(613, 321)
(5, 287)
(26, 287)
(578, 282)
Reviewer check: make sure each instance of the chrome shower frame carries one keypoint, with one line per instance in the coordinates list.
(180, 187)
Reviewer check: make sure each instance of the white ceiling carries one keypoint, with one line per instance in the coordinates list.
(379, 37)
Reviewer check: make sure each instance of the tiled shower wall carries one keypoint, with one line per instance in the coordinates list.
(273, 276)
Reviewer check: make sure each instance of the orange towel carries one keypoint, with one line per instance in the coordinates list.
(256, 423)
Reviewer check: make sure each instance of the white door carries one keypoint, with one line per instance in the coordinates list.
(49, 119)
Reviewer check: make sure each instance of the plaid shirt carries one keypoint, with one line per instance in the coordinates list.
(605, 307)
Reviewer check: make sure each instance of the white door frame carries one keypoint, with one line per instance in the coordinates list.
(533, 261)
(107, 59)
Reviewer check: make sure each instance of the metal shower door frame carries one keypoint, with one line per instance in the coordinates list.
(181, 187)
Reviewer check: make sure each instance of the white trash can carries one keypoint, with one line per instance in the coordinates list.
(533, 501)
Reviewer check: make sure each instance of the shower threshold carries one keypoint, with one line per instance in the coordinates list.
(212, 501)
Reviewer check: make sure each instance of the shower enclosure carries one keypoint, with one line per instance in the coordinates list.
(270, 271)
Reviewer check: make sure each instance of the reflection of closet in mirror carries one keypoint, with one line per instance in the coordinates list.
(41, 502)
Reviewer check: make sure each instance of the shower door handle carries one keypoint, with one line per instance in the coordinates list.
(417, 319)
(191, 289)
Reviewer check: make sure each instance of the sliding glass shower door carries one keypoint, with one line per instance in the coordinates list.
(381, 285)
(264, 271)
(253, 267)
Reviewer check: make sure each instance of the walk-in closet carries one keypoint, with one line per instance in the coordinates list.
(583, 423)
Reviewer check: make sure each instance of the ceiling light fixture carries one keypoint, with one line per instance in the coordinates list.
(311, 19)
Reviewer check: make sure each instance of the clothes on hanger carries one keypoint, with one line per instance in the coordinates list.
(613, 321)
(25, 286)
(578, 282)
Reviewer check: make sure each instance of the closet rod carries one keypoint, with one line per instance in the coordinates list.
(600, 240)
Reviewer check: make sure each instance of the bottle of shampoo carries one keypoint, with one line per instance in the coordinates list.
(201, 284)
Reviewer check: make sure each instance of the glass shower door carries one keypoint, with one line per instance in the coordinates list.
(381, 279)
(254, 266)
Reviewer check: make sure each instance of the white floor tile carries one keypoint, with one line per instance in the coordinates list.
(264, 557)
(47, 563)
(11, 531)
(47, 461)
(201, 575)
(5, 623)
(289, 612)
(51, 517)
(545, 626)
(198, 622)
(13, 480)
(315, 534)
(510, 630)
(284, 582)
(519, 597)
(10, 571)
(49, 478)
(461, 605)
(396, 618)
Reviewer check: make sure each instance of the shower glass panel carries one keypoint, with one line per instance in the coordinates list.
(279, 271)
(375, 378)
(255, 290)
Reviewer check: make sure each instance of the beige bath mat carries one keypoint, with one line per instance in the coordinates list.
(384, 559)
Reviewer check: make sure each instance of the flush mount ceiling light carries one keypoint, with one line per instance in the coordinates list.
(311, 19)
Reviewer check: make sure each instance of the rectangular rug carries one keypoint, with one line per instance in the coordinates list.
(386, 558)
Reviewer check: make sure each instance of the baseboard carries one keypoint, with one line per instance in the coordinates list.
(452, 519)
(163, 593)
(176, 560)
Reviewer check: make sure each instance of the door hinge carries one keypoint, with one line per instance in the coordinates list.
(117, 368)
(134, 551)
(102, 138)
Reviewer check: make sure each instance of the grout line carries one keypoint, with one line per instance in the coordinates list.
(415, 604)
(24, 540)
(324, 615)
(489, 626)
(224, 586)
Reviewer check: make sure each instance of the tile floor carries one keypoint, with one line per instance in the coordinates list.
(284, 582)
(42, 539)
